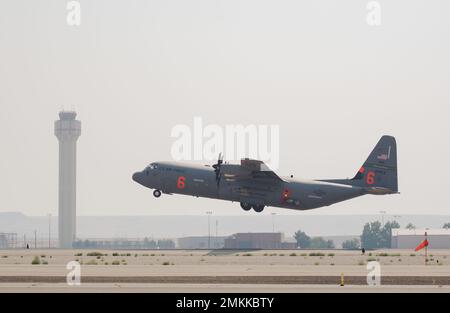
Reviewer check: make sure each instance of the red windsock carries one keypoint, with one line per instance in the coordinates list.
(422, 245)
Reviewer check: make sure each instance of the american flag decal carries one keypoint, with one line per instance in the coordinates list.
(385, 156)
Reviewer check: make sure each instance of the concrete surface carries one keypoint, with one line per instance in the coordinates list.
(194, 270)
(215, 288)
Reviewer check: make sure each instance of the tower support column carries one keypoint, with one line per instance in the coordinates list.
(67, 130)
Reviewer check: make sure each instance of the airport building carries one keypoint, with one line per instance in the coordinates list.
(67, 130)
(258, 241)
(8, 240)
(124, 243)
(201, 242)
(409, 238)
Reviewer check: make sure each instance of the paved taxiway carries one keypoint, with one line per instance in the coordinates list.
(214, 288)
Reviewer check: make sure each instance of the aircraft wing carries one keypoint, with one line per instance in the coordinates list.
(250, 169)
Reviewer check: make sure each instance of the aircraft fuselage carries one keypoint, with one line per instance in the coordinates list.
(255, 185)
(200, 181)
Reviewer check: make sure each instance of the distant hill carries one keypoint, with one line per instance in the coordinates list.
(181, 226)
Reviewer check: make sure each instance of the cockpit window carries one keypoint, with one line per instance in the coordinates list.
(153, 166)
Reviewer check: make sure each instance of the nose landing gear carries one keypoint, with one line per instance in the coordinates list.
(157, 193)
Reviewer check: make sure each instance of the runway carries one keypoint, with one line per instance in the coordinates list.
(223, 271)
(240, 280)
(213, 288)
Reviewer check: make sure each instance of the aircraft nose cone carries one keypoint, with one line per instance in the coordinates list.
(137, 177)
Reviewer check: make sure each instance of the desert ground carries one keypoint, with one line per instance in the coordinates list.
(223, 270)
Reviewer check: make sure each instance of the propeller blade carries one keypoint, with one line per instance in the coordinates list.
(217, 168)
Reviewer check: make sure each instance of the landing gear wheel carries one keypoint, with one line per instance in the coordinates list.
(246, 206)
(157, 193)
(258, 208)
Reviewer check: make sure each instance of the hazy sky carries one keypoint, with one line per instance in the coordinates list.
(135, 69)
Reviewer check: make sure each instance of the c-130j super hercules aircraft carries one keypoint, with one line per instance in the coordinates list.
(255, 186)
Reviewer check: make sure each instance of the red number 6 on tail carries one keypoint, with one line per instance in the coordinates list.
(370, 179)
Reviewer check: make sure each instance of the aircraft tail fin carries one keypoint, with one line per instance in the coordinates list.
(379, 172)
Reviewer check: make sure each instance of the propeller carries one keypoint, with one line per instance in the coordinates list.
(217, 168)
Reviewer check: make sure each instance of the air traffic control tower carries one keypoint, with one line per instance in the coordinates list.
(67, 130)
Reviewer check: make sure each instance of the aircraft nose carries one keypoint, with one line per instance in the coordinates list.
(137, 177)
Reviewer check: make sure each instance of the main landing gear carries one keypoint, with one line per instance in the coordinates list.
(157, 193)
(247, 206)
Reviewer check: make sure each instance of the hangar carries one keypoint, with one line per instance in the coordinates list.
(259, 241)
(438, 238)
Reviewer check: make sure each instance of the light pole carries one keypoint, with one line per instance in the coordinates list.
(209, 229)
(49, 229)
(35, 240)
(382, 217)
(273, 221)
(397, 217)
